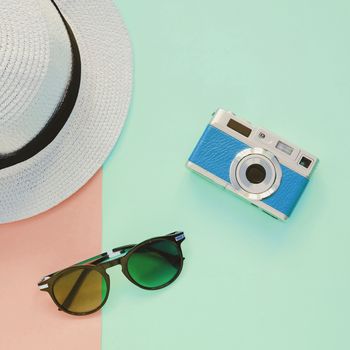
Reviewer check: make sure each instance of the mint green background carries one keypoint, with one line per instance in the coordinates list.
(249, 282)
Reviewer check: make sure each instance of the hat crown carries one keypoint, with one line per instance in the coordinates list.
(35, 69)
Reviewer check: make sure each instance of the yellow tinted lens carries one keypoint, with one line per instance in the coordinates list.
(80, 290)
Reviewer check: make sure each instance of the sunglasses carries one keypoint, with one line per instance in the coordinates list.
(83, 288)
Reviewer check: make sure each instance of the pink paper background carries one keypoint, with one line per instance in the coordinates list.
(32, 248)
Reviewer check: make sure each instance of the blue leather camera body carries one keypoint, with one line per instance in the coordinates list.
(253, 163)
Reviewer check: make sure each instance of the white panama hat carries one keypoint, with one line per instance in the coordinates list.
(65, 87)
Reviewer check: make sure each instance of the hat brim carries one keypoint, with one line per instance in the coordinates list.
(83, 144)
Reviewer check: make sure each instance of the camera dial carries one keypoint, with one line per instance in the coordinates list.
(255, 173)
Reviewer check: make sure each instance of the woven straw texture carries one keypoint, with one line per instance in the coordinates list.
(34, 70)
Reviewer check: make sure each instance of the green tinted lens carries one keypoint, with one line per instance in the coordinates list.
(80, 290)
(154, 265)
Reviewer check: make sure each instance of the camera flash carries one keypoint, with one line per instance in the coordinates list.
(284, 148)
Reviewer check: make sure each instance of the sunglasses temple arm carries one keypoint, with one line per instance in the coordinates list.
(70, 297)
(171, 258)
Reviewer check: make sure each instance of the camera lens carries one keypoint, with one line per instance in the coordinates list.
(256, 173)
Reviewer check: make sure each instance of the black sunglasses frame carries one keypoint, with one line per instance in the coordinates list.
(104, 261)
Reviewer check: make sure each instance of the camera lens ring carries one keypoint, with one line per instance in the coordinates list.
(243, 180)
(267, 186)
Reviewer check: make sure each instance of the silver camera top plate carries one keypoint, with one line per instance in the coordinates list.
(287, 153)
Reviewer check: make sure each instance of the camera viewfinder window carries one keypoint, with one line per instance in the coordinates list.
(305, 162)
(242, 129)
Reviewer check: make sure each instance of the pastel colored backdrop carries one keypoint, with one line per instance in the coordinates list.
(31, 248)
(249, 282)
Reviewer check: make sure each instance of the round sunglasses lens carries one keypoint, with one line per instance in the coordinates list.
(156, 264)
(80, 290)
